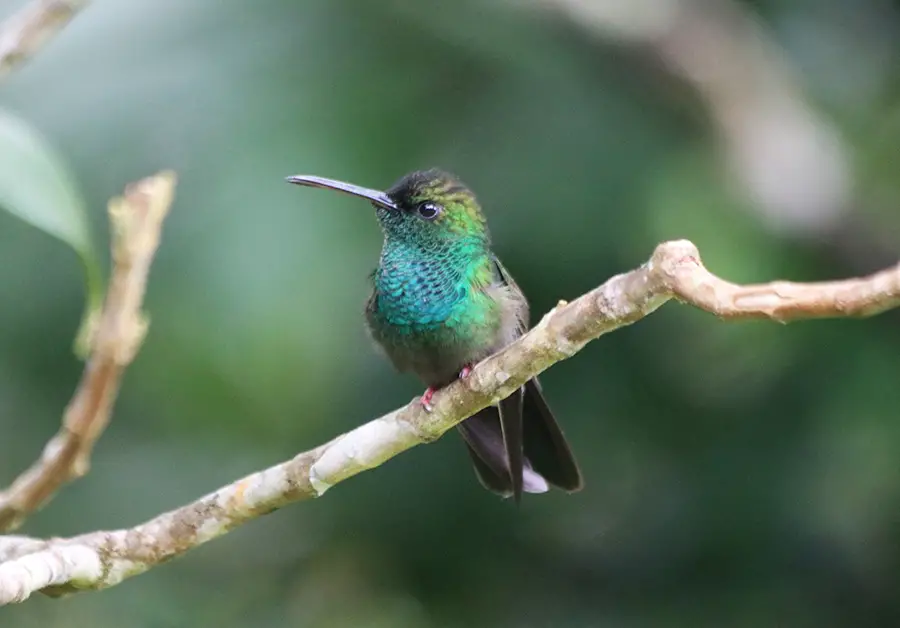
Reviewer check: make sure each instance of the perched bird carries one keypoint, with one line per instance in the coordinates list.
(442, 302)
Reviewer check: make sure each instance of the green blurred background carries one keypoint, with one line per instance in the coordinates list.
(738, 474)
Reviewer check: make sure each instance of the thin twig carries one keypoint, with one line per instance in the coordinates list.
(136, 221)
(26, 32)
(102, 559)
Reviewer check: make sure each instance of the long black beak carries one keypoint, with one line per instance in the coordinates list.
(375, 196)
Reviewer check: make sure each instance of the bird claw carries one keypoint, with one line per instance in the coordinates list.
(429, 393)
(426, 399)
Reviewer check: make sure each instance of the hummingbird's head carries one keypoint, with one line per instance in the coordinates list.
(425, 205)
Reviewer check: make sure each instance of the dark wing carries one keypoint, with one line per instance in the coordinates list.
(545, 446)
(506, 279)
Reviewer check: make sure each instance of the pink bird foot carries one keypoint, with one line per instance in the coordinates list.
(429, 393)
(426, 399)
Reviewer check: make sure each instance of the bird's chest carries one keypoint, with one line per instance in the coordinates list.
(430, 321)
(420, 296)
(430, 303)
(432, 316)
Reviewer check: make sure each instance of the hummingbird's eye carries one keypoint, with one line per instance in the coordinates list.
(429, 210)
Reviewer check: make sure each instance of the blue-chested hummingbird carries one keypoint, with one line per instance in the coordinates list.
(441, 302)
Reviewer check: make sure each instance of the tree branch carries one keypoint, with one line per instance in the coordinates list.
(12, 546)
(101, 559)
(136, 221)
(26, 32)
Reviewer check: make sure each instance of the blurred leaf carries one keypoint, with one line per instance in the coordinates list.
(36, 187)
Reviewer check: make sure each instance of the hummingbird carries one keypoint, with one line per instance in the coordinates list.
(441, 302)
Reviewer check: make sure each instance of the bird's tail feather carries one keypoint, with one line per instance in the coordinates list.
(519, 446)
(483, 436)
(546, 446)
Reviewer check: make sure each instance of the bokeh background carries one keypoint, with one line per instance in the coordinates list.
(738, 474)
